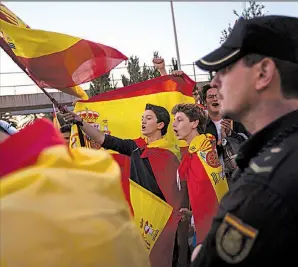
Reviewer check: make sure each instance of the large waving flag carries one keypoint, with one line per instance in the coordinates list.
(119, 113)
(8, 16)
(57, 60)
(67, 207)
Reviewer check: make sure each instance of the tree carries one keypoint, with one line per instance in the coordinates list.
(101, 84)
(137, 75)
(253, 10)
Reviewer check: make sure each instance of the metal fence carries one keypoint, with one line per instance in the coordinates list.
(115, 76)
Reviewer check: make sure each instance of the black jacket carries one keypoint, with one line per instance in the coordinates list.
(237, 128)
(256, 224)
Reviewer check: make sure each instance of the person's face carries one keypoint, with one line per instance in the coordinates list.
(212, 103)
(182, 126)
(234, 89)
(150, 124)
(196, 95)
(66, 137)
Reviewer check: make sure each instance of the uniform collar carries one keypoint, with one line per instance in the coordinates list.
(256, 142)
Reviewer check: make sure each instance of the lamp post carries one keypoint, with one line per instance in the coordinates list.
(175, 35)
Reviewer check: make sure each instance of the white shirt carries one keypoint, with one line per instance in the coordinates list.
(218, 129)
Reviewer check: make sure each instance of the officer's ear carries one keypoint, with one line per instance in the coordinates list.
(265, 71)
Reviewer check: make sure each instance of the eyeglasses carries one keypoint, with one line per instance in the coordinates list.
(212, 96)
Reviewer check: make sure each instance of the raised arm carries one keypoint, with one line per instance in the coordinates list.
(123, 146)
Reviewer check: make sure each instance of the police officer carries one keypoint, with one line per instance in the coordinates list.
(257, 77)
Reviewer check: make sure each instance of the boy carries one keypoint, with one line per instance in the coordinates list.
(153, 165)
(200, 167)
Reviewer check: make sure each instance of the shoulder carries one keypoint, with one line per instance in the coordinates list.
(277, 157)
(277, 169)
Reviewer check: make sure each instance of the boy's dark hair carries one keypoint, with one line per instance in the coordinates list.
(193, 112)
(205, 89)
(162, 115)
(288, 72)
(66, 128)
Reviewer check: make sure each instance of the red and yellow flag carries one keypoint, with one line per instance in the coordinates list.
(206, 181)
(119, 112)
(8, 16)
(55, 60)
(66, 206)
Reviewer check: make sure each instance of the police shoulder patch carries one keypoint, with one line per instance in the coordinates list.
(269, 159)
(234, 239)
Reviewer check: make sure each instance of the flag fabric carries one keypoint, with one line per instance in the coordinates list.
(150, 213)
(164, 159)
(55, 119)
(65, 202)
(118, 113)
(206, 181)
(55, 60)
(8, 16)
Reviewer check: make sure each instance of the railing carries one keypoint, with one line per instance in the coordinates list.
(31, 88)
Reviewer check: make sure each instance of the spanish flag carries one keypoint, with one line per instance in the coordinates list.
(118, 113)
(55, 60)
(63, 208)
(206, 181)
(8, 16)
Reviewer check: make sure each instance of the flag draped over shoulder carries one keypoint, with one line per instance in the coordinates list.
(206, 181)
(55, 60)
(65, 202)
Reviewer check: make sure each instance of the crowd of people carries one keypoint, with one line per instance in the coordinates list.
(233, 190)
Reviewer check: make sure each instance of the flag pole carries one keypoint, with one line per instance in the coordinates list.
(6, 49)
(175, 35)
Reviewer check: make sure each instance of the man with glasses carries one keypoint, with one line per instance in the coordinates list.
(222, 129)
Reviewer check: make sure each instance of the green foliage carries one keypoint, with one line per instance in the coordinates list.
(101, 85)
(136, 74)
(253, 10)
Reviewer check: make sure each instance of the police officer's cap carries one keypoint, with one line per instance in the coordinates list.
(272, 36)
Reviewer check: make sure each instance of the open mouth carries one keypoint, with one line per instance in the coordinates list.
(143, 127)
(176, 132)
(215, 105)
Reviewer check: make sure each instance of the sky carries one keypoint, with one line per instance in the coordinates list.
(134, 28)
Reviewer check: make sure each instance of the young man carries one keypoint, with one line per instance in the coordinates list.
(256, 76)
(154, 164)
(223, 129)
(200, 167)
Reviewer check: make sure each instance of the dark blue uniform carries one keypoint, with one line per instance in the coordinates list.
(257, 222)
